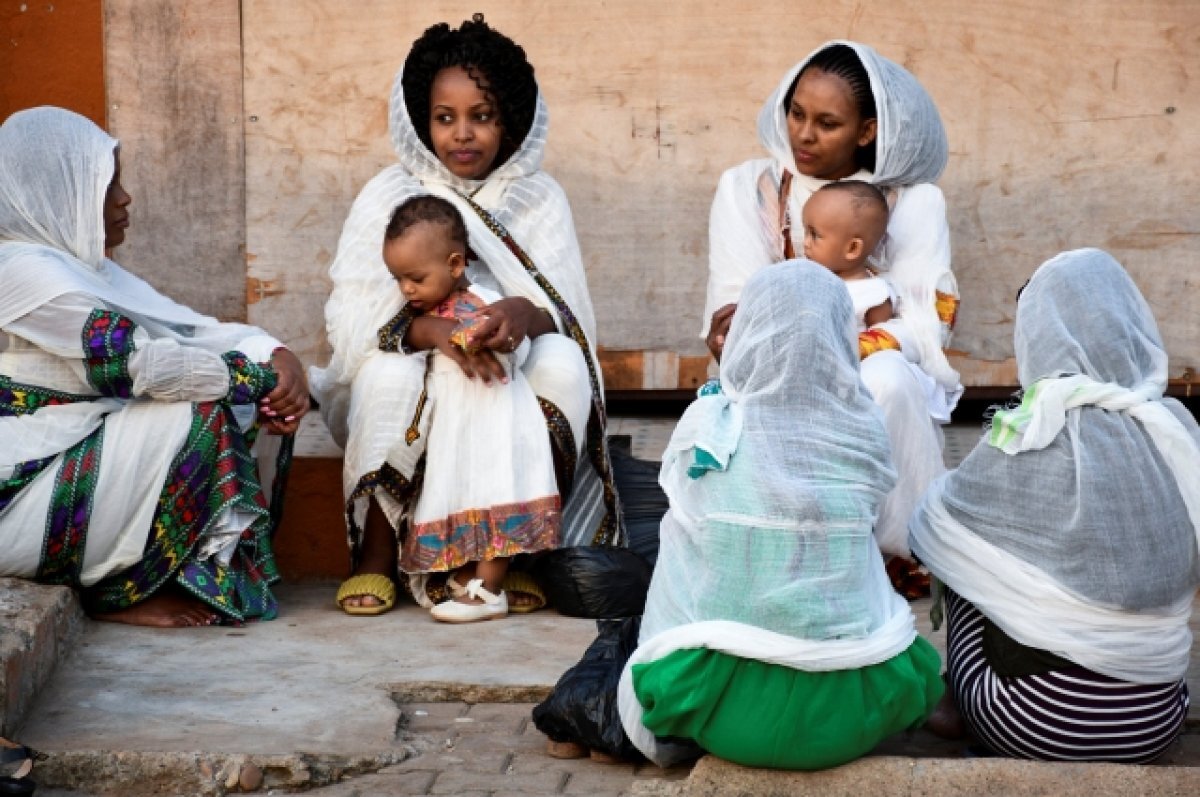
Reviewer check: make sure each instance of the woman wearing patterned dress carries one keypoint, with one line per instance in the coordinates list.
(1067, 540)
(130, 424)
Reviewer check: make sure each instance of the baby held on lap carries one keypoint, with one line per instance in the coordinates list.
(843, 224)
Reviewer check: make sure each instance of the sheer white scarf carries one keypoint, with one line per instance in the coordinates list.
(767, 551)
(1074, 524)
(55, 168)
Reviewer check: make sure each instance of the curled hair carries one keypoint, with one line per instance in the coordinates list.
(429, 209)
(495, 62)
(841, 61)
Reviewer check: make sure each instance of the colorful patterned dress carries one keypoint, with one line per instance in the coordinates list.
(108, 486)
(489, 486)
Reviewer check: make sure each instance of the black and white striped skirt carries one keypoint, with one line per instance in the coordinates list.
(1072, 714)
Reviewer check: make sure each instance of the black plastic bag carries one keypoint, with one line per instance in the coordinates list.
(593, 582)
(643, 502)
(583, 706)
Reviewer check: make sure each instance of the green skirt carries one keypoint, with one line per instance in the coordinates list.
(768, 715)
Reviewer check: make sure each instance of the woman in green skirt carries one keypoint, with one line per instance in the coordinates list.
(772, 636)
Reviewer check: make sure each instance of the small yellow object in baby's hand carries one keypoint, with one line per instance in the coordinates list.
(463, 336)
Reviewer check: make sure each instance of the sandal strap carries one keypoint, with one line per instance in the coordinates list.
(475, 590)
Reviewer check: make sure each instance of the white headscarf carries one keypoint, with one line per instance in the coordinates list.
(776, 482)
(55, 167)
(1088, 494)
(910, 144)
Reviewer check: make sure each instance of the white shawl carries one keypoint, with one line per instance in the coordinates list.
(531, 206)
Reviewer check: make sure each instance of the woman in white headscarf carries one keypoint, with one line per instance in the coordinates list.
(486, 159)
(129, 422)
(771, 635)
(1067, 540)
(845, 112)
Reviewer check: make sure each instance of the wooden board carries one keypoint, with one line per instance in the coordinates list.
(1071, 123)
(33, 38)
(174, 82)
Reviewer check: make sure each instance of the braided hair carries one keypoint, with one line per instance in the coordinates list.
(841, 61)
(495, 62)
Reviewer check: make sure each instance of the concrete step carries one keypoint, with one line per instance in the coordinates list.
(38, 625)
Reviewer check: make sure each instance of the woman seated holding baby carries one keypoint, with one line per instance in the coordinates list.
(846, 113)
(469, 126)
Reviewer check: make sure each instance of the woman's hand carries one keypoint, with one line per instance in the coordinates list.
(718, 329)
(481, 363)
(509, 321)
(288, 402)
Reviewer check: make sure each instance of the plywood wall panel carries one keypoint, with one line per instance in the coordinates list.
(174, 79)
(1071, 124)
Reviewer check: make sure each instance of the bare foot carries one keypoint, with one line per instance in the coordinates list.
(945, 721)
(168, 609)
(565, 749)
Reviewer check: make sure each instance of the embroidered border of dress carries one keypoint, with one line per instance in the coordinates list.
(17, 398)
(212, 472)
(248, 381)
(391, 334)
(875, 340)
(107, 344)
(564, 439)
(479, 535)
(610, 530)
(393, 482)
(70, 512)
(23, 473)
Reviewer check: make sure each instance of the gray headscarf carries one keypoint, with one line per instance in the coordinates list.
(1099, 509)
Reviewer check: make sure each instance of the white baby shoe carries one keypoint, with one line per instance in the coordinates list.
(493, 607)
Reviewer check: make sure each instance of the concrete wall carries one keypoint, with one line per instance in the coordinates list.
(1072, 123)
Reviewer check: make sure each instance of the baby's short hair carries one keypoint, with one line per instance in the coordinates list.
(868, 206)
(427, 208)
(863, 195)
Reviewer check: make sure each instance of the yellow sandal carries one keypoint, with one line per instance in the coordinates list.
(523, 584)
(373, 585)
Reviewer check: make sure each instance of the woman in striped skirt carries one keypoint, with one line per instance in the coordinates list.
(1067, 540)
